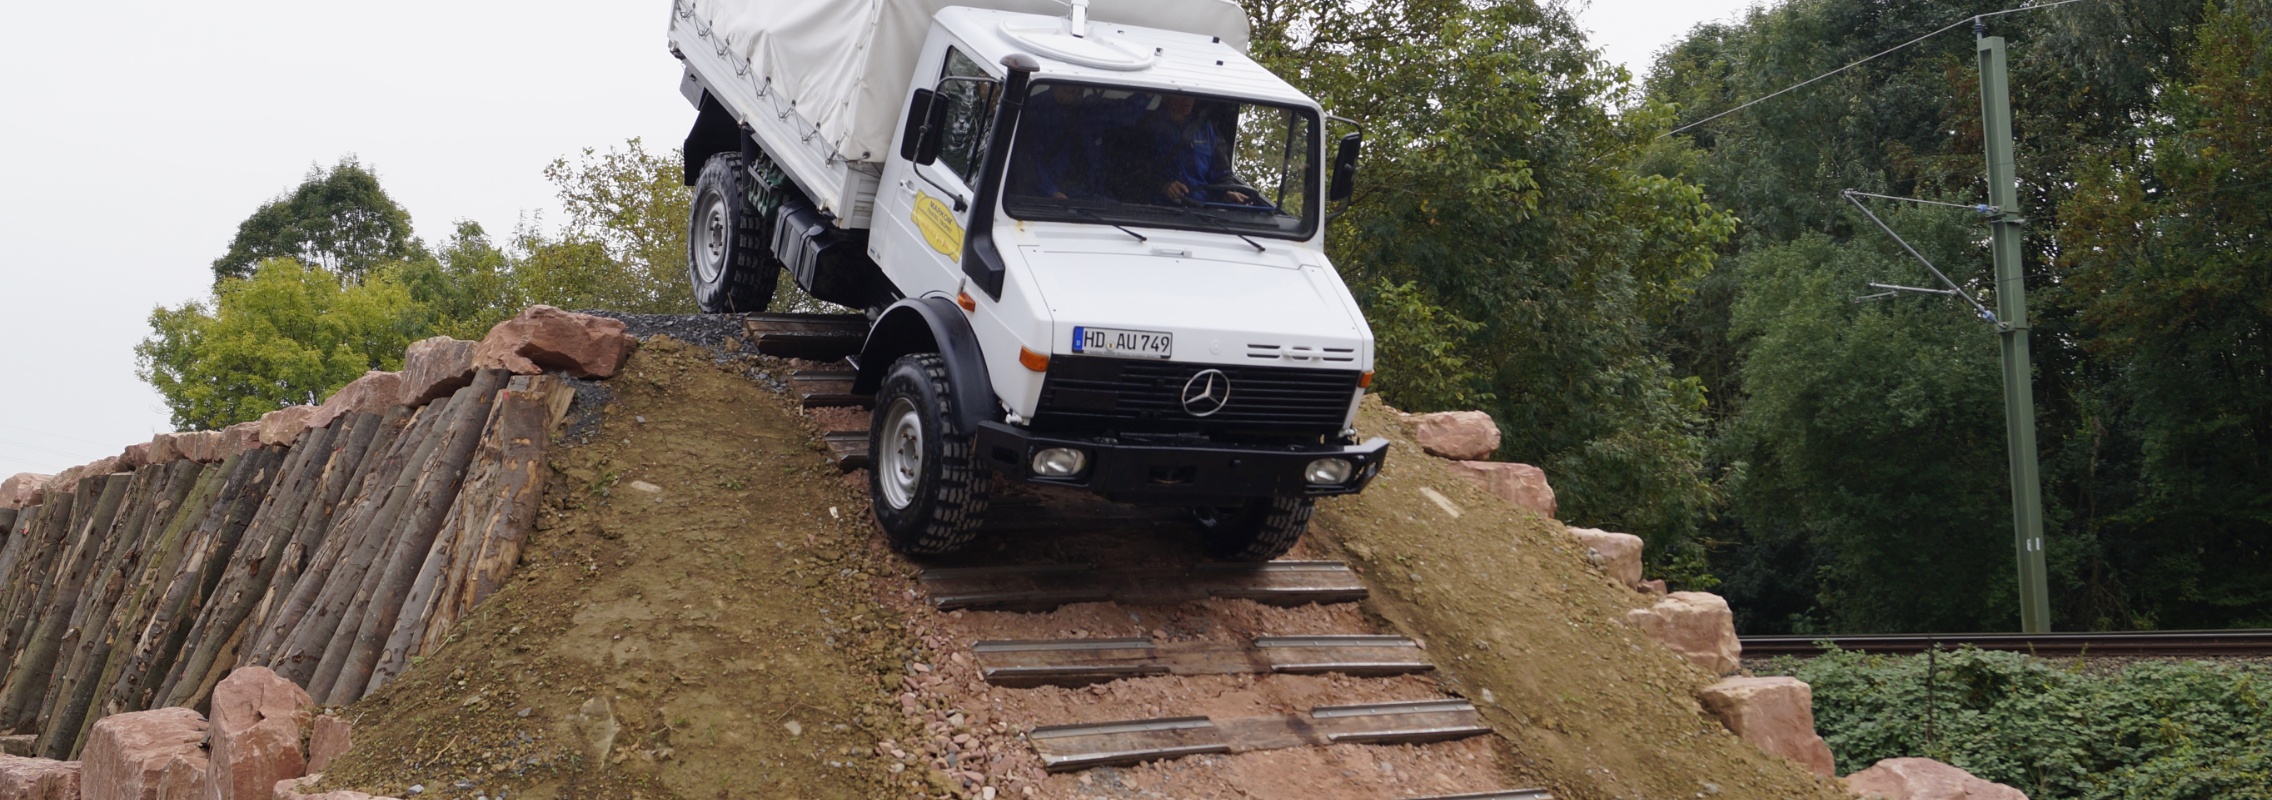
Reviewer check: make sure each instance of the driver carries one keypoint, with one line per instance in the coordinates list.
(1192, 155)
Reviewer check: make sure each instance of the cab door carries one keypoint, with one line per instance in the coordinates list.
(926, 206)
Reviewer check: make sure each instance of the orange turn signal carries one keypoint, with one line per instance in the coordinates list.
(1365, 379)
(1038, 362)
(967, 302)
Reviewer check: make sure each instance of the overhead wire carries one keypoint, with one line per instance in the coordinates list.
(1872, 57)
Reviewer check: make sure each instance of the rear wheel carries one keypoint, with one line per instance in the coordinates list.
(726, 257)
(924, 480)
(1261, 529)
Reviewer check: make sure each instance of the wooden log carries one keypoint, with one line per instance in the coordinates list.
(28, 681)
(286, 650)
(23, 552)
(242, 506)
(308, 532)
(247, 576)
(93, 666)
(44, 546)
(207, 545)
(128, 656)
(501, 512)
(417, 612)
(301, 659)
(92, 617)
(414, 528)
(201, 696)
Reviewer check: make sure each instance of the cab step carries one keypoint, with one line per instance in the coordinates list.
(1041, 587)
(1074, 662)
(1065, 748)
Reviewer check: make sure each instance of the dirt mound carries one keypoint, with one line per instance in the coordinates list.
(694, 618)
(706, 612)
(1522, 625)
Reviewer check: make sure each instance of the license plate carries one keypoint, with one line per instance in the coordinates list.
(1130, 344)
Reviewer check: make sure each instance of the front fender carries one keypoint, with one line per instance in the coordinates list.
(931, 325)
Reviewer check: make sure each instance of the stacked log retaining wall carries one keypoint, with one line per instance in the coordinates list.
(332, 544)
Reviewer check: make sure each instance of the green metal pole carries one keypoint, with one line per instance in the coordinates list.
(2011, 308)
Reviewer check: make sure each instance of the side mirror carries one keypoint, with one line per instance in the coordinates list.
(934, 131)
(1345, 167)
(918, 112)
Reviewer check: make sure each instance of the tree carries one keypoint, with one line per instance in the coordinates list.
(468, 287)
(338, 219)
(2163, 264)
(1501, 207)
(288, 334)
(2147, 382)
(624, 245)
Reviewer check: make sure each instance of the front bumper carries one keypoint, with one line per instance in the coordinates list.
(1179, 473)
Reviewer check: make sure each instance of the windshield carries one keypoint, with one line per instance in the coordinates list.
(1118, 156)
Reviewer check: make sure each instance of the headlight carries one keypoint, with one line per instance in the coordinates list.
(1059, 462)
(1328, 471)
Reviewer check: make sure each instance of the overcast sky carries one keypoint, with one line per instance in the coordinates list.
(135, 135)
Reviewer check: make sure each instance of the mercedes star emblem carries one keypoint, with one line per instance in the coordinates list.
(1206, 392)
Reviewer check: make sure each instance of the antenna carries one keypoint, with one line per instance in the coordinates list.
(1078, 24)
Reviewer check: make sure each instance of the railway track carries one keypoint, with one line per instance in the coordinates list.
(1261, 681)
(1020, 596)
(2228, 643)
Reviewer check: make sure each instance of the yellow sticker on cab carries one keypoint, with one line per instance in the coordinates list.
(938, 224)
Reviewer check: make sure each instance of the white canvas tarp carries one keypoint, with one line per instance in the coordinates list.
(846, 63)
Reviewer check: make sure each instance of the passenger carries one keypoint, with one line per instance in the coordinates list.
(1192, 154)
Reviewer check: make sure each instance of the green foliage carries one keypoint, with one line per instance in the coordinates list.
(1831, 388)
(287, 335)
(470, 286)
(2170, 731)
(338, 219)
(624, 245)
(1419, 344)
(1862, 447)
(1508, 250)
(2163, 265)
(343, 287)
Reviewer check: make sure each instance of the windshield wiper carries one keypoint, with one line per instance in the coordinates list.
(1093, 215)
(1220, 226)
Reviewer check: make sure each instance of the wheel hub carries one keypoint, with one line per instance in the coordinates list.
(712, 235)
(899, 456)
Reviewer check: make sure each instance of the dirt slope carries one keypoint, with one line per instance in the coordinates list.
(707, 588)
(688, 588)
(1520, 624)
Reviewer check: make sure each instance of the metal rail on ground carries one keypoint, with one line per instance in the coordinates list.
(2227, 643)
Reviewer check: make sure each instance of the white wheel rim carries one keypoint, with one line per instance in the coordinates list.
(899, 464)
(711, 237)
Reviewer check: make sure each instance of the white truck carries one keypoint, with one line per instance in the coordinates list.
(1088, 236)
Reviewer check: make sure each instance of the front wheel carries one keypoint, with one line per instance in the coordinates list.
(1260, 529)
(726, 257)
(924, 480)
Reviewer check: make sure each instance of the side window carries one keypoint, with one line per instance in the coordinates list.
(970, 113)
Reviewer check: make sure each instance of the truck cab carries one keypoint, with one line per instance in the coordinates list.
(1093, 254)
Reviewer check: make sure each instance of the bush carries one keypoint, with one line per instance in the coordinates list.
(2151, 730)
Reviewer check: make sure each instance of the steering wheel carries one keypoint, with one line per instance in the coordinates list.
(1218, 190)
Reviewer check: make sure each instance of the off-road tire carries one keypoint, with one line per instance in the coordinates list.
(726, 255)
(944, 488)
(1260, 530)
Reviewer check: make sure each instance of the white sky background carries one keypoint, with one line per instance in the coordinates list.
(135, 135)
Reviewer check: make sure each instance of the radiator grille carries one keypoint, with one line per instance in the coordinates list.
(1141, 396)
